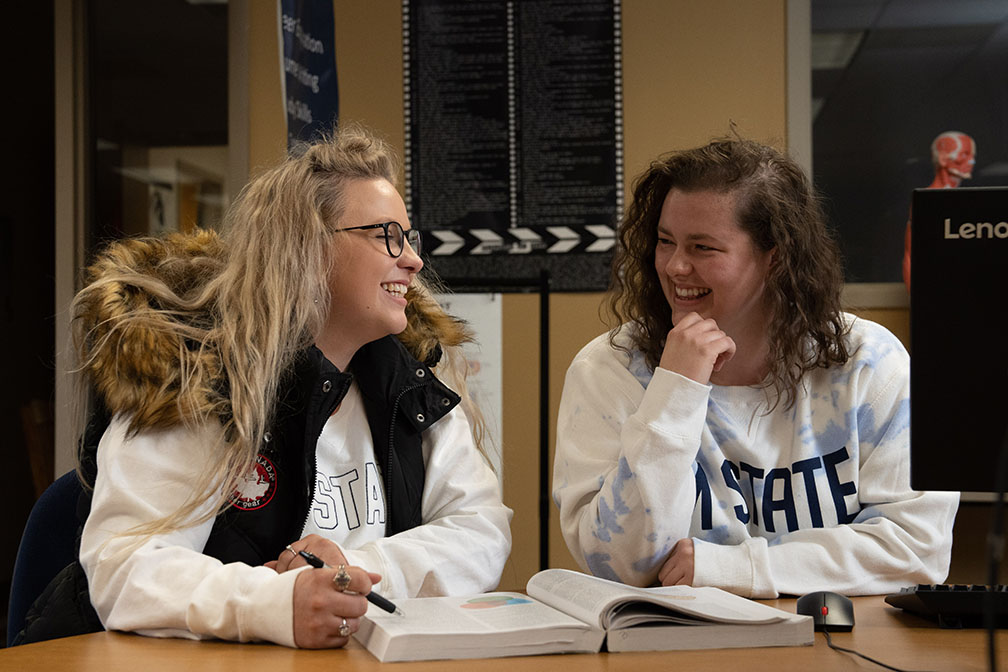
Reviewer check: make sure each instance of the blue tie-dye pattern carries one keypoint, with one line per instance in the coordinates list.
(872, 351)
(869, 514)
(871, 433)
(840, 378)
(806, 434)
(607, 522)
(725, 438)
(648, 565)
(598, 564)
(608, 517)
(638, 368)
(831, 438)
(719, 535)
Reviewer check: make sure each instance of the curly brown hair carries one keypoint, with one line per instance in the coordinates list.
(777, 206)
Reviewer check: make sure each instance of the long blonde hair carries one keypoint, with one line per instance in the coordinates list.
(231, 314)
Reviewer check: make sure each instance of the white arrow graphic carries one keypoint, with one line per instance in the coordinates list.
(606, 238)
(568, 239)
(528, 240)
(450, 242)
(489, 241)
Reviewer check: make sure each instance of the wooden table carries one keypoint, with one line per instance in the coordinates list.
(892, 636)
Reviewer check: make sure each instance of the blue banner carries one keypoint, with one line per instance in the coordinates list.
(311, 95)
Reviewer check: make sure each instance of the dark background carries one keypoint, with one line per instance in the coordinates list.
(919, 68)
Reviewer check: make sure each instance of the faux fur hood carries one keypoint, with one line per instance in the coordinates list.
(137, 368)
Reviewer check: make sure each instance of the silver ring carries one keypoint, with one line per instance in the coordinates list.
(342, 579)
(344, 630)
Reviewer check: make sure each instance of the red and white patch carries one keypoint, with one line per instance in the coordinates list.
(258, 487)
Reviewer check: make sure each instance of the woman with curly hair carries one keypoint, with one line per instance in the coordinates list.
(270, 391)
(736, 428)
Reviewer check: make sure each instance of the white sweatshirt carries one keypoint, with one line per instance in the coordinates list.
(169, 588)
(815, 497)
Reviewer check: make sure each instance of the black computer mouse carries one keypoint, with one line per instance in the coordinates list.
(829, 611)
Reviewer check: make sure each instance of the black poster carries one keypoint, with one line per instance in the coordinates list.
(513, 117)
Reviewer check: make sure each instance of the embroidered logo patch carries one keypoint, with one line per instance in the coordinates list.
(258, 487)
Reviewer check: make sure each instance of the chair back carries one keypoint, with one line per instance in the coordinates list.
(48, 544)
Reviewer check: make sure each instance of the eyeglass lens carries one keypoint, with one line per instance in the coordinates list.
(395, 237)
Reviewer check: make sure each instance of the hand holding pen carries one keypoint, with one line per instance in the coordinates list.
(342, 581)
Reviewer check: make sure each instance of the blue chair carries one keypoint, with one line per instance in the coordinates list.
(48, 544)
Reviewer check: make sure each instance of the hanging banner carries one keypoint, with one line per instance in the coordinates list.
(308, 63)
(514, 137)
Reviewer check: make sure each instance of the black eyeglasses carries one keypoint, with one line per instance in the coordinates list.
(395, 237)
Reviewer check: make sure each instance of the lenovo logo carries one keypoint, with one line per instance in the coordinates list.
(976, 230)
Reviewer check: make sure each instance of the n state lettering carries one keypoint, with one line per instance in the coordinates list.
(770, 496)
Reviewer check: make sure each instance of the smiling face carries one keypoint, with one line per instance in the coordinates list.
(367, 286)
(709, 265)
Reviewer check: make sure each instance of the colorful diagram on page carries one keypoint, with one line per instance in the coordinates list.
(493, 601)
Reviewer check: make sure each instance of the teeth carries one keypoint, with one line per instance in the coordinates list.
(394, 288)
(692, 293)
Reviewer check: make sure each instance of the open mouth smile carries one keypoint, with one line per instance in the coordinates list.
(395, 289)
(691, 293)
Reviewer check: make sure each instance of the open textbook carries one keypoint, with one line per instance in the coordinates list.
(570, 612)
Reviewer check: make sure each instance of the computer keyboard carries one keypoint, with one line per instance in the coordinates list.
(954, 605)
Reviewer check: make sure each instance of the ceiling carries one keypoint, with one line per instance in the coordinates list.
(898, 63)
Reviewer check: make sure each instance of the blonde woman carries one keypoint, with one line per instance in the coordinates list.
(257, 403)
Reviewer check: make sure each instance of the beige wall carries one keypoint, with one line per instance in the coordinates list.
(691, 70)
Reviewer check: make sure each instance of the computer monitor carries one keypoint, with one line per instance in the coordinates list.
(958, 337)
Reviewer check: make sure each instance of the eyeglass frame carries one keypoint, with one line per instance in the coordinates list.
(414, 233)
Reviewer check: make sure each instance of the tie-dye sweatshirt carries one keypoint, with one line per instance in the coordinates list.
(813, 497)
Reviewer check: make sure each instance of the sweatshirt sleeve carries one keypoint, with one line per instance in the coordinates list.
(163, 585)
(623, 475)
(465, 538)
(892, 536)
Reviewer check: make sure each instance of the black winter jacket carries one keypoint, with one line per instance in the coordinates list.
(401, 397)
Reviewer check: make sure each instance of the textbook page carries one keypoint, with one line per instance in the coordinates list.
(610, 605)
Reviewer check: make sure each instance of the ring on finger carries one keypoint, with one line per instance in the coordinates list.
(344, 630)
(293, 552)
(342, 579)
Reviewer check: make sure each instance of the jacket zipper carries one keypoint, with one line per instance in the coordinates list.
(388, 461)
(311, 486)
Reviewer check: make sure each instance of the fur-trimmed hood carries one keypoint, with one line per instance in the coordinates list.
(136, 354)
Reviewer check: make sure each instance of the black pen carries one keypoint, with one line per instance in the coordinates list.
(372, 597)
